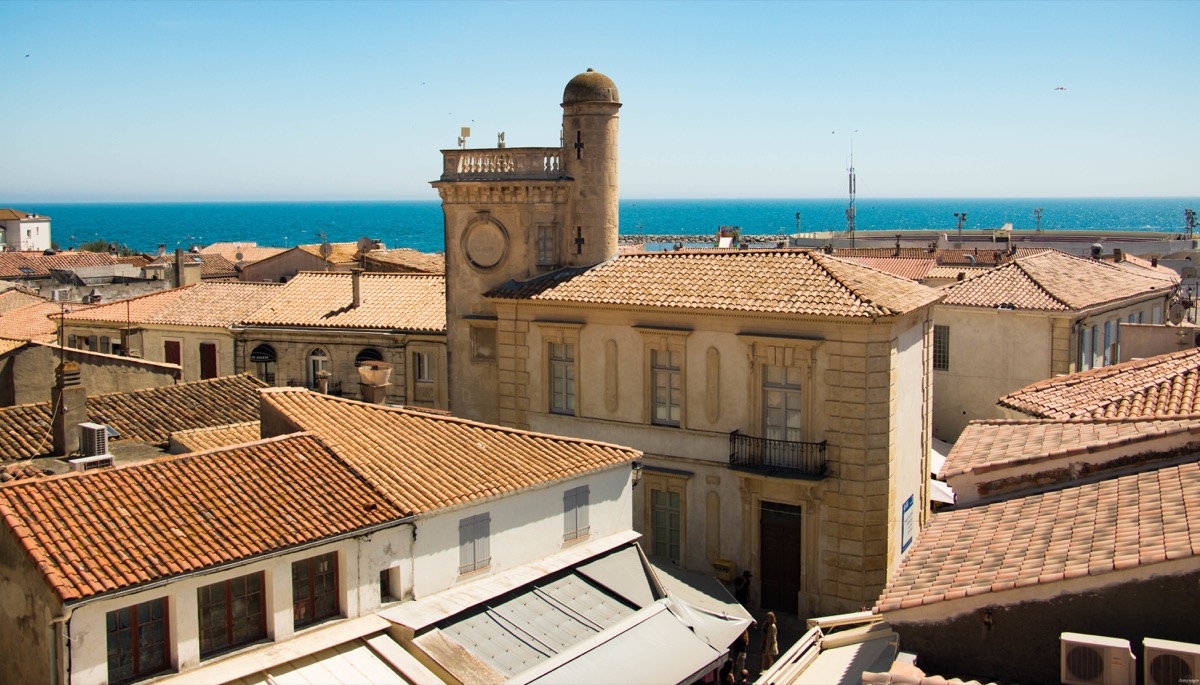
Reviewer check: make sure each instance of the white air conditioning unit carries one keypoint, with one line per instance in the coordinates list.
(1169, 663)
(1095, 660)
(93, 439)
(100, 461)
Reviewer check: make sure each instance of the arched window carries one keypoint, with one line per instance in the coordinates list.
(263, 359)
(318, 361)
(368, 354)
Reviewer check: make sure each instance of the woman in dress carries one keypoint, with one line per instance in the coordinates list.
(770, 641)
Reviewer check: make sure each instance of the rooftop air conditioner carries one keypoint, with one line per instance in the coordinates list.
(100, 461)
(1095, 660)
(93, 439)
(1169, 663)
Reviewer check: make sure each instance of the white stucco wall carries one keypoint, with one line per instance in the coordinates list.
(359, 562)
(524, 528)
(910, 432)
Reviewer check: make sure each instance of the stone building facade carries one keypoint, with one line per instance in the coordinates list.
(782, 398)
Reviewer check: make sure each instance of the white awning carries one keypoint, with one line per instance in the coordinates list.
(703, 603)
(940, 492)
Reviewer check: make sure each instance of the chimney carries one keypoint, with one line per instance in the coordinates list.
(69, 401)
(162, 249)
(1154, 262)
(373, 380)
(356, 288)
(187, 272)
(323, 382)
(1118, 256)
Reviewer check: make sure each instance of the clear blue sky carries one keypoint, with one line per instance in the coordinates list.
(171, 101)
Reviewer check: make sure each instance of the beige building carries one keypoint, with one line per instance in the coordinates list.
(782, 398)
(1036, 317)
(187, 326)
(331, 323)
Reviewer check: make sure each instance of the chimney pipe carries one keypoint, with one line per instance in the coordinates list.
(356, 287)
(1118, 256)
(68, 398)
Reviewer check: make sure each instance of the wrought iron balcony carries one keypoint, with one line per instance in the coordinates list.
(777, 457)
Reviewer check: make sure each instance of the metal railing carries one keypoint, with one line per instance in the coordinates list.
(777, 456)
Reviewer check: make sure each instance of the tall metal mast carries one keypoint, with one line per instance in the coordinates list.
(850, 211)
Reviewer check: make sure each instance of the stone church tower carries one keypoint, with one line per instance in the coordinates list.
(515, 213)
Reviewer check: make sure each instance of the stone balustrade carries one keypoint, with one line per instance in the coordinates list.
(497, 164)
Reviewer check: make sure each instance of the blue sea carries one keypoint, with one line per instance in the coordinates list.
(418, 224)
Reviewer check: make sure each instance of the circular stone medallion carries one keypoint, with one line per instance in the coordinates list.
(485, 244)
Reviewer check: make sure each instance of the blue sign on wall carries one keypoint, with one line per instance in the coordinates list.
(906, 525)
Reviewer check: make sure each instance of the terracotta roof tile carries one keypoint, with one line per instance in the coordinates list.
(414, 302)
(989, 444)
(215, 304)
(912, 268)
(36, 321)
(96, 531)
(150, 414)
(16, 214)
(401, 260)
(8, 344)
(1052, 281)
(781, 281)
(424, 462)
(15, 298)
(1085, 530)
(1166, 385)
(251, 252)
(342, 253)
(22, 471)
(201, 439)
(28, 264)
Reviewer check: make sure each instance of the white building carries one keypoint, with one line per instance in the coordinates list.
(24, 231)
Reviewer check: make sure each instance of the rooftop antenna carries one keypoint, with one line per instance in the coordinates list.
(962, 219)
(500, 140)
(462, 137)
(1037, 213)
(851, 212)
(1189, 220)
(797, 223)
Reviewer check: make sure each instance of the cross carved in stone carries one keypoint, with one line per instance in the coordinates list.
(578, 145)
(579, 240)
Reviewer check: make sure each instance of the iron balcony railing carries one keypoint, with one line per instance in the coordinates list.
(780, 457)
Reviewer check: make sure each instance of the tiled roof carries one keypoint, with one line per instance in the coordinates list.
(414, 302)
(251, 252)
(201, 439)
(1166, 385)
(8, 344)
(211, 265)
(404, 259)
(881, 252)
(1146, 267)
(954, 271)
(216, 304)
(779, 281)
(342, 252)
(138, 260)
(1087, 530)
(425, 462)
(22, 471)
(15, 298)
(29, 264)
(912, 268)
(34, 322)
(96, 531)
(1052, 281)
(16, 214)
(149, 415)
(988, 444)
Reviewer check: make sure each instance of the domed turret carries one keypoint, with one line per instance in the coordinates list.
(590, 86)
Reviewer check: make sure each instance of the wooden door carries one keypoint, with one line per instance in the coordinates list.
(208, 360)
(172, 355)
(780, 557)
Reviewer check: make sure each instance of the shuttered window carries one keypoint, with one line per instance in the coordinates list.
(474, 548)
(575, 513)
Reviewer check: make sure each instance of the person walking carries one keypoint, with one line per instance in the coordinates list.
(738, 650)
(770, 642)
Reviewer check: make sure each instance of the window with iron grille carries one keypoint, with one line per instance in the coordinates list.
(941, 348)
(562, 378)
(137, 641)
(474, 547)
(575, 513)
(314, 589)
(231, 613)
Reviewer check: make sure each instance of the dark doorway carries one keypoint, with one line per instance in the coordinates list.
(171, 351)
(779, 553)
(208, 360)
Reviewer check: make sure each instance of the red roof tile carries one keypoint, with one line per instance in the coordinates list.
(36, 321)
(27, 264)
(1166, 385)
(1086, 530)
(424, 462)
(402, 260)
(1052, 281)
(96, 531)
(411, 302)
(912, 268)
(781, 281)
(989, 444)
(149, 415)
(213, 304)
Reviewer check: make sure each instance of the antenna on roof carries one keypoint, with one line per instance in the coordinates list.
(463, 135)
(851, 212)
